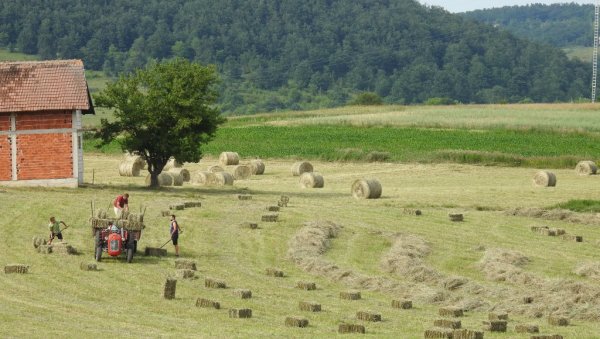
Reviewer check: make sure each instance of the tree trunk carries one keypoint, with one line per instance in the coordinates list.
(155, 167)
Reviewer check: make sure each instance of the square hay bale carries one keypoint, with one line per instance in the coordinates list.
(495, 325)
(16, 268)
(559, 231)
(88, 266)
(402, 304)
(242, 293)
(527, 300)
(63, 248)
(450, 312)
(44, 249)
(170, 287)
(411, 211)
(527, 328)
(177, 206)
(244, 197)
(187, 264)
(456, 216)
(447, 323)
(273, 217)
(37, 241)
(554, 336)
(274, 272)
(436, 333)
(240, 313)
(571, 237)
(467, 334)
(155, 251)
(540, 229)
(351, 328)
(558, 321)
(186, 274)
(273, 208)
(214, 283)
(165, 213)
(201, 302)
(307, 286)
(368, 316)
(350, 295)
(250, 225)
(309, 306)
(296, 322)
(189, 204)
(497, 316)
(283, 201)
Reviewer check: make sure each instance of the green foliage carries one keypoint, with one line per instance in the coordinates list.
(587, 206)
(164, 110)
(367, 99)
(440, 102)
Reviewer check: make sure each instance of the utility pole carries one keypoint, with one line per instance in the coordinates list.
(595, 54)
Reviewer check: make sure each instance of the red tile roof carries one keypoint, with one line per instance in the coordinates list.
(43, 85)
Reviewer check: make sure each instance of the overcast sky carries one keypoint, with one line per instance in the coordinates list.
(469, 5)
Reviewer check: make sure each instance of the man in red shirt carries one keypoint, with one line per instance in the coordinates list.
(121, 203)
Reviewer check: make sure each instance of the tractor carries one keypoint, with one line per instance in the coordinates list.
(116, 240)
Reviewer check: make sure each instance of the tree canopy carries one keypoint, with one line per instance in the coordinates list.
(167, 109)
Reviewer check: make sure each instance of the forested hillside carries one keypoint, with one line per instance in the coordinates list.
(293, 54)
(560, 25)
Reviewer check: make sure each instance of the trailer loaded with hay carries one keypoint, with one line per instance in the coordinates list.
(116, 236)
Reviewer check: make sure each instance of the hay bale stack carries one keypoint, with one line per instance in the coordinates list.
(312, 180)
(296, 322)
(301, 167)
(170, 287)
(527, 328)
(571, 237)
(242, 293)
(456, 217)
(16, 268)
(257, 166)
(558, 321)
(586, 167)
(351, 328)
(497, 316)
(129, 168)
(350, 295)
(544, 179)
(447, 323)
(242, 172)
(366, 189)
(240, 313)
(495, 325)
(207, 303)
(203, 178)
(178, 206)
(467, 334)
(307, 286)
(283, 201)
(156, 252)
(368, 316)
(250, 225)
(88, 266)
(224, 179)
(100, 214)
(244, 196)
(273, 217)
(309, 306)
(184, 173)
(229, 158)
(164, 179)
(185, 264)
(402, 304)
(438, 333)
(190, 204)
(450, 312)
(215, 169)
(274, 272)
(171, 164)
(37, 241)
(554, 336)
(272, 208)
(165, 213)
(186, 274)
(214, 283)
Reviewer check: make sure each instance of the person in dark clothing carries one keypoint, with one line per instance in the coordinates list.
(175, 230)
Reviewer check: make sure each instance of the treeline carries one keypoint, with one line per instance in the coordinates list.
(560, 25)
(291, 54)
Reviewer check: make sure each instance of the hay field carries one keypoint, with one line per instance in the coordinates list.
(58, 299)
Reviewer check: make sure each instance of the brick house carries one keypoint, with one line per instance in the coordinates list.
(41, 104)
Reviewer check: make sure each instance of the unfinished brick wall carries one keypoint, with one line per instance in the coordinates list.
(44, 156)
(5, 155)
(44, 120)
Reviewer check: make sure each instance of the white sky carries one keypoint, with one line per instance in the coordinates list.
(469, 5)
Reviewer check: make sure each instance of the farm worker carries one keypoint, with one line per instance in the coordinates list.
(121, 203)
(55, 230)
(175, 229)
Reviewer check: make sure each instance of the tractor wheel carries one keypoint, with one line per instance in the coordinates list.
(135, 246)
(98, 253)
(97, 238)
(129, 254)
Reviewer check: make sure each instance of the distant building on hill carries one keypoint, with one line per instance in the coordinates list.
(41, 104)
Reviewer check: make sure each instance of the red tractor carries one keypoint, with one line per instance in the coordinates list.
(116, 240)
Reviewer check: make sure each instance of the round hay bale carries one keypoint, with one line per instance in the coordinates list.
(366, 189)
(203, 178)
(129, 169)
(301, 167)
(181, 171)
(164, 179)
(229, 158)
(242, 172)
(586, 167)
(544, 179)
(141, 163)
(177, 178)
(224, 179)
(215, 169)
(172, 163)
(311, 180)
(257, 166)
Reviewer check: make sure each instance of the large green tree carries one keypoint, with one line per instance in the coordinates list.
(165, 110)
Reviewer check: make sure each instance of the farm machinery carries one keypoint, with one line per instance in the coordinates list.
(116, 236)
